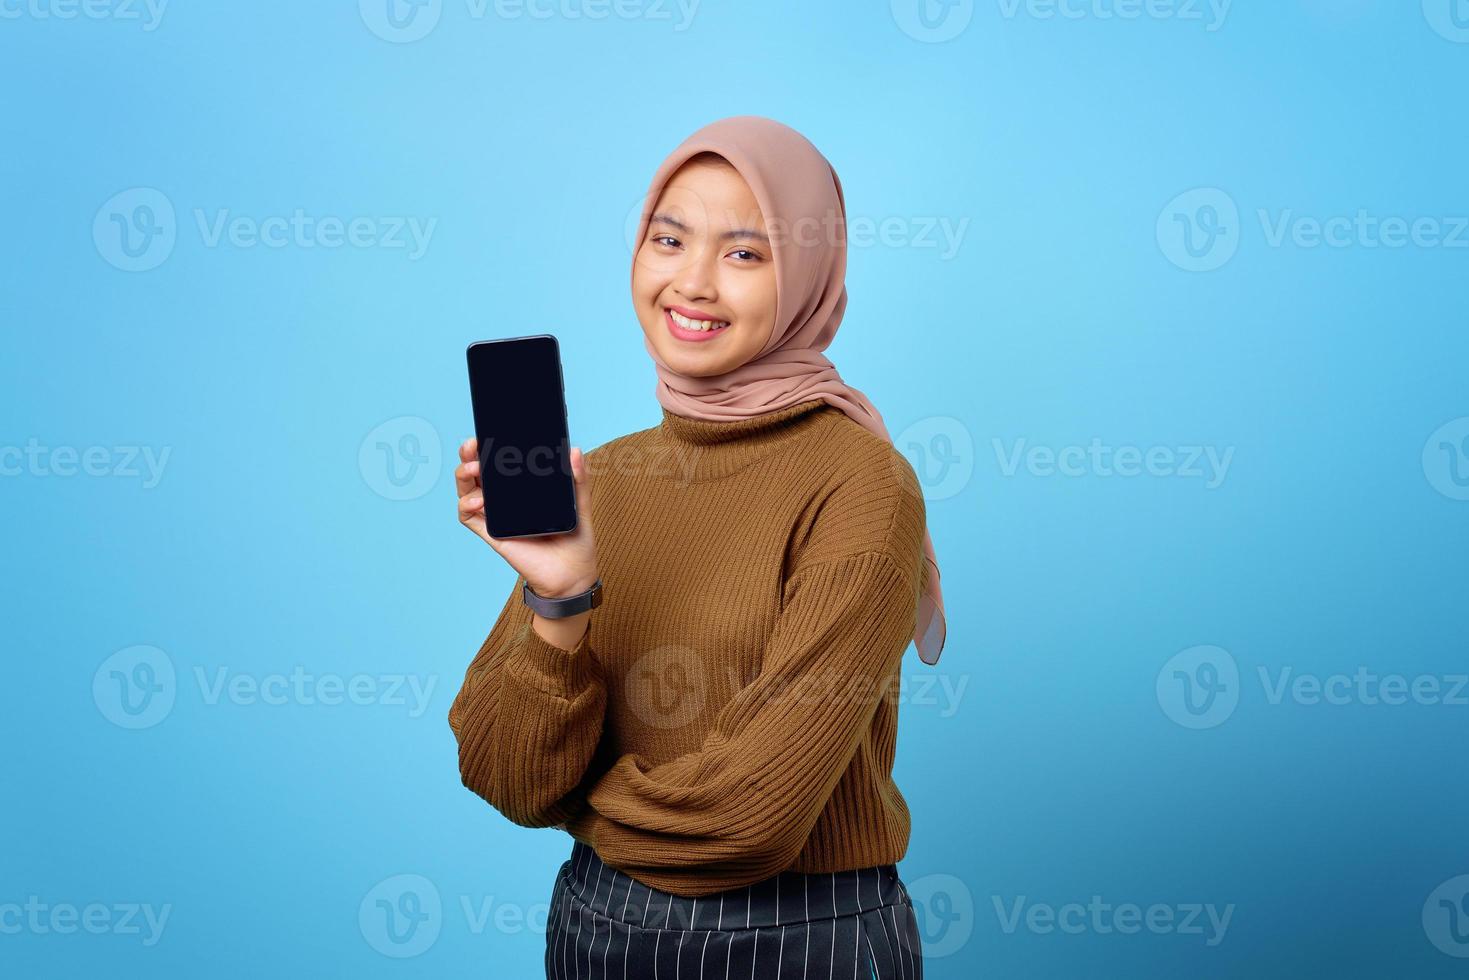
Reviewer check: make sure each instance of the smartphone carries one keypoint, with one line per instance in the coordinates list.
(519, 401)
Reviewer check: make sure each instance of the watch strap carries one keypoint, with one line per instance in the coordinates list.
(565, 606)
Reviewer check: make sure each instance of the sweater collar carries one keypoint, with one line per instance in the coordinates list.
(756, 429)
(704, 450)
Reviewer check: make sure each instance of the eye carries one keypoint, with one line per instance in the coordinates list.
(662, 239)
(753, 256)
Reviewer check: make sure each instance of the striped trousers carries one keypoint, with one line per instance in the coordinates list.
(846, 925)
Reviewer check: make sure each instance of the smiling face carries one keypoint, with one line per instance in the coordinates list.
(706, 260)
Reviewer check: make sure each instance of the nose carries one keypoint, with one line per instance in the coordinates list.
(696, 279)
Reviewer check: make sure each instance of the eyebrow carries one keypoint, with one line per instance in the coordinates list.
(724, 236)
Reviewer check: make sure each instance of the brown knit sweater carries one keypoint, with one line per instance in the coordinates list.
(731, 711)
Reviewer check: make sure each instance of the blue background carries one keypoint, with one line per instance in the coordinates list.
(1058, 767)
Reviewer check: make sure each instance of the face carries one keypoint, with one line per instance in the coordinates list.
(706, 258)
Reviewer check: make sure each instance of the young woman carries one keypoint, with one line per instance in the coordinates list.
(717, 736)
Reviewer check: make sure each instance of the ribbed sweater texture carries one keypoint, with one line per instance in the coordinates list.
(731, 711)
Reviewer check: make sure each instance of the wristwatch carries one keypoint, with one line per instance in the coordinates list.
(565, 606)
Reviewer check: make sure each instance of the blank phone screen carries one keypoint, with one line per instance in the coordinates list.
(524, 448)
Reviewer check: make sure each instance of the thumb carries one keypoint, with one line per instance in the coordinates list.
(583, 485)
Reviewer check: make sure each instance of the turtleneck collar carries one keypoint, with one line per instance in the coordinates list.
(701, 432)
(712, 449)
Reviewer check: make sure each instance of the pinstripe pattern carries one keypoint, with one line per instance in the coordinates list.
(845, 925)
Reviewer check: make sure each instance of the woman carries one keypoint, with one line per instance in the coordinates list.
(718, 735)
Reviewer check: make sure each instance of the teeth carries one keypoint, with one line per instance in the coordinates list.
(688, 324)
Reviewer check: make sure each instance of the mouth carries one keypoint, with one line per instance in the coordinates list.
(684, 325)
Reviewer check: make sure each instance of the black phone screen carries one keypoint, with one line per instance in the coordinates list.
(519, 403)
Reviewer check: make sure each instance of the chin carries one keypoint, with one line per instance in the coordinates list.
(693, 367)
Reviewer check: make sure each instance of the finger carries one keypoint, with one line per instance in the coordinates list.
(583, 485)
(466, 477)
(468, 449)
(470, 505)
(472, 516)
(476, 524)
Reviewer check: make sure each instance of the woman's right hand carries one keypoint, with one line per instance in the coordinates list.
(555, 565)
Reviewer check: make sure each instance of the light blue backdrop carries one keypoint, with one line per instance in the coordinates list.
(1165, 299)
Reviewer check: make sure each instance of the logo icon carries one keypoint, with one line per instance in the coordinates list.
(136, 229)
(941, 452)
(1199, 687)
(684, 202)
(945, 908)
(932, 21)
(401, 21)
(1450, 18)
(666, 686)
(401, 916)
(630, 223)
(1446, 459)
(1199, 230)
(401, 458)
(135, 687)
(1446, 917)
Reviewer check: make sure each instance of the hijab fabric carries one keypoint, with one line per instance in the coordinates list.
(801, 201)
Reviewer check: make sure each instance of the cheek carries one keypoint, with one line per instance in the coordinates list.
(651, 274)
(757, 305)
(645, 286)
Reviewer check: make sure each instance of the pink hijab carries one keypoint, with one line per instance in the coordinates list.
(795, 186)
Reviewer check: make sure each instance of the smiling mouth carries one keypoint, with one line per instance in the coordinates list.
(689, 323)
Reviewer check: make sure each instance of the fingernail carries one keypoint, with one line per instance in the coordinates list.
(475, 502)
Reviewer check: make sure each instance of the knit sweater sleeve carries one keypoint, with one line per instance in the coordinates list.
(742, 806)
(527, 719)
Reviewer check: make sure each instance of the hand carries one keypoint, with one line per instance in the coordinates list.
(555, 565)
